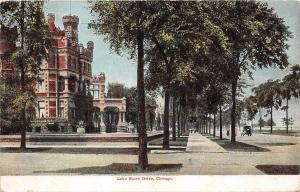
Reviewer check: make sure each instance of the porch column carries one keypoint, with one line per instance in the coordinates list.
(120, 120)
(102, 125)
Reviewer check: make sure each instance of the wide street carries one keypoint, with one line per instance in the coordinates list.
(202, 157)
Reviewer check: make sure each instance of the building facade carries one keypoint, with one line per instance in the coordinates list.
(7, 38)
(100, 103)
(67, 71)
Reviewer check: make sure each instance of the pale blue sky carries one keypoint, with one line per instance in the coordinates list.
(121, 69)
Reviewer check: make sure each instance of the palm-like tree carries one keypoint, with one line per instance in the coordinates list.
(290, 87)
(268, 96)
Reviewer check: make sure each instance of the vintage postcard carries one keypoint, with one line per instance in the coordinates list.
(150, 95)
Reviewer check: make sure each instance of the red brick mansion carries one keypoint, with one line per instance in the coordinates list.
(68, 71)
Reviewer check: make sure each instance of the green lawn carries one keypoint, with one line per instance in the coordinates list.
(181, 141)
(237, 146)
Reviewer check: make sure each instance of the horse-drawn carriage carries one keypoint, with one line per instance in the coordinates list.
(246, 131)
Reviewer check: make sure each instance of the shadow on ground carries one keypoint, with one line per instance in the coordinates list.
(69, 150)
(237, 146)
(279, 169)
(117, 168)
(275, 144)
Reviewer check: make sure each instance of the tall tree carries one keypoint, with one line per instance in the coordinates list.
(34, 43)
(268, 96)
(258, 37)
(125, 26)
(185, 35)
(290, 87)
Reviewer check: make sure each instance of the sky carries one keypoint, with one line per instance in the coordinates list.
(123, 70)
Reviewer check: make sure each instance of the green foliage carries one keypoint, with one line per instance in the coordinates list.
(262, 122)
(250, 104)
(116, 90)
(268, 123)
(199, 50)
(32, 35)
(12, 100)
(84, 110)
(268, 94)
(290, 85)
(287, 121)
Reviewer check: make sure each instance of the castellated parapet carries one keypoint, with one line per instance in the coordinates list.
(69, 20)
(99, 77)
(51, 18)
(68, 71)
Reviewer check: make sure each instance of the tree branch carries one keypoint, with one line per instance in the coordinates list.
(160, 50)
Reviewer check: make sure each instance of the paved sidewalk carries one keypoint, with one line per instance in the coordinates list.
(207, 157)
(199, 143)
(203, 157)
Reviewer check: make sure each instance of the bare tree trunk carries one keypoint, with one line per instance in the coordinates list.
(184, 123)
(233, 109)
(260, 120)
(166, 120)
(214, 128)
(209, 125)
(271, 119)
(203, 124)
(174, 117)
(178, 120)
(143, 157)
(287, 115)
(221, 126)
(23, 112)
(206, 123)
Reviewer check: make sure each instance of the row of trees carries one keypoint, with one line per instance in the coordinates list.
(194, 52)
(271, 94)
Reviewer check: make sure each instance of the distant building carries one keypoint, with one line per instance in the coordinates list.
(68, 71)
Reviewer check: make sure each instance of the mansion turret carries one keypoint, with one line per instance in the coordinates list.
(69, 71)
